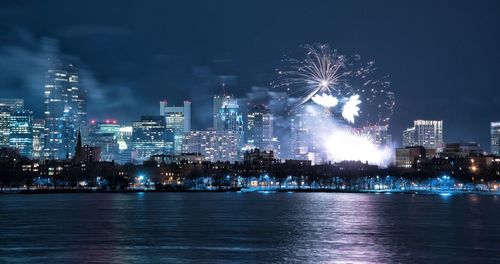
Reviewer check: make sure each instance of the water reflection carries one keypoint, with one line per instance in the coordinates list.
(248, 227)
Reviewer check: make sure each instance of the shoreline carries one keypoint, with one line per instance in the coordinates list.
(91, 191)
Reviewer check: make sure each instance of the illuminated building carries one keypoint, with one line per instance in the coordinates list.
(426, 133)
(125, 144)
(227, 114)
(65, 110)
(21, 132)
(7, 106)
(38, 137)
(151, 137)
(213, 145)
(260, 129)
(104, 135)
(378, 134)
(178, 119)
(495, 138)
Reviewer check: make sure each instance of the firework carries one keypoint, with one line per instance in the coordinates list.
(331, 80)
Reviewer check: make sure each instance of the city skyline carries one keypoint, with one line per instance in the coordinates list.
(181, 70)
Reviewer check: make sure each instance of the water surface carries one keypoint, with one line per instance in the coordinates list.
(249, 227)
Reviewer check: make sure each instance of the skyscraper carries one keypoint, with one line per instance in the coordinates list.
(227, 114)
(150, 137)
(260, 129)
(65, 110)
(425, 133)
(495, 138)
(178, 119)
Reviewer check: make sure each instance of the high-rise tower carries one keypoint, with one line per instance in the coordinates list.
(65, 110)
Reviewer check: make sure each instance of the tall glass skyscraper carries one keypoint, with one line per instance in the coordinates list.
(495, 138)
(228, 117)
(151, 137)
(178, 119)
(65, 110)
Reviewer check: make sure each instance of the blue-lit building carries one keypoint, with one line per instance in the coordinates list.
(177, 118)
(151, 137)
(65, 110)
(16, 126)
(21, 132)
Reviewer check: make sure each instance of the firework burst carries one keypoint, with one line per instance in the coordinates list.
(340, 83)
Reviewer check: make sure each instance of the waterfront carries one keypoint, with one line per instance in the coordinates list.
(249, 227)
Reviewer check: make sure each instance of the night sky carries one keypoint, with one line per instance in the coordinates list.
(443, 57)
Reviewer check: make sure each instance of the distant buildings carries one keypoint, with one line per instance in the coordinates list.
(151, 137)
(213, 145)
(495, 138)
(178, 119)
(426, 133)
(260, 122)
(65, 110)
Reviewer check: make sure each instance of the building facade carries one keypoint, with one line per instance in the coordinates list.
(151, 137)
(178, 119)
(426, 133)
(213, 145)
(65, 110)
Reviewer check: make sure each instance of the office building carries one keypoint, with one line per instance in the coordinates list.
(21, 132)
(178, 119)
(426, 133)
(260, 124)
(151, 137)
(65, 110)
(213, 145)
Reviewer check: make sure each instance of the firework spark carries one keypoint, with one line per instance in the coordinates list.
(329, 79)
